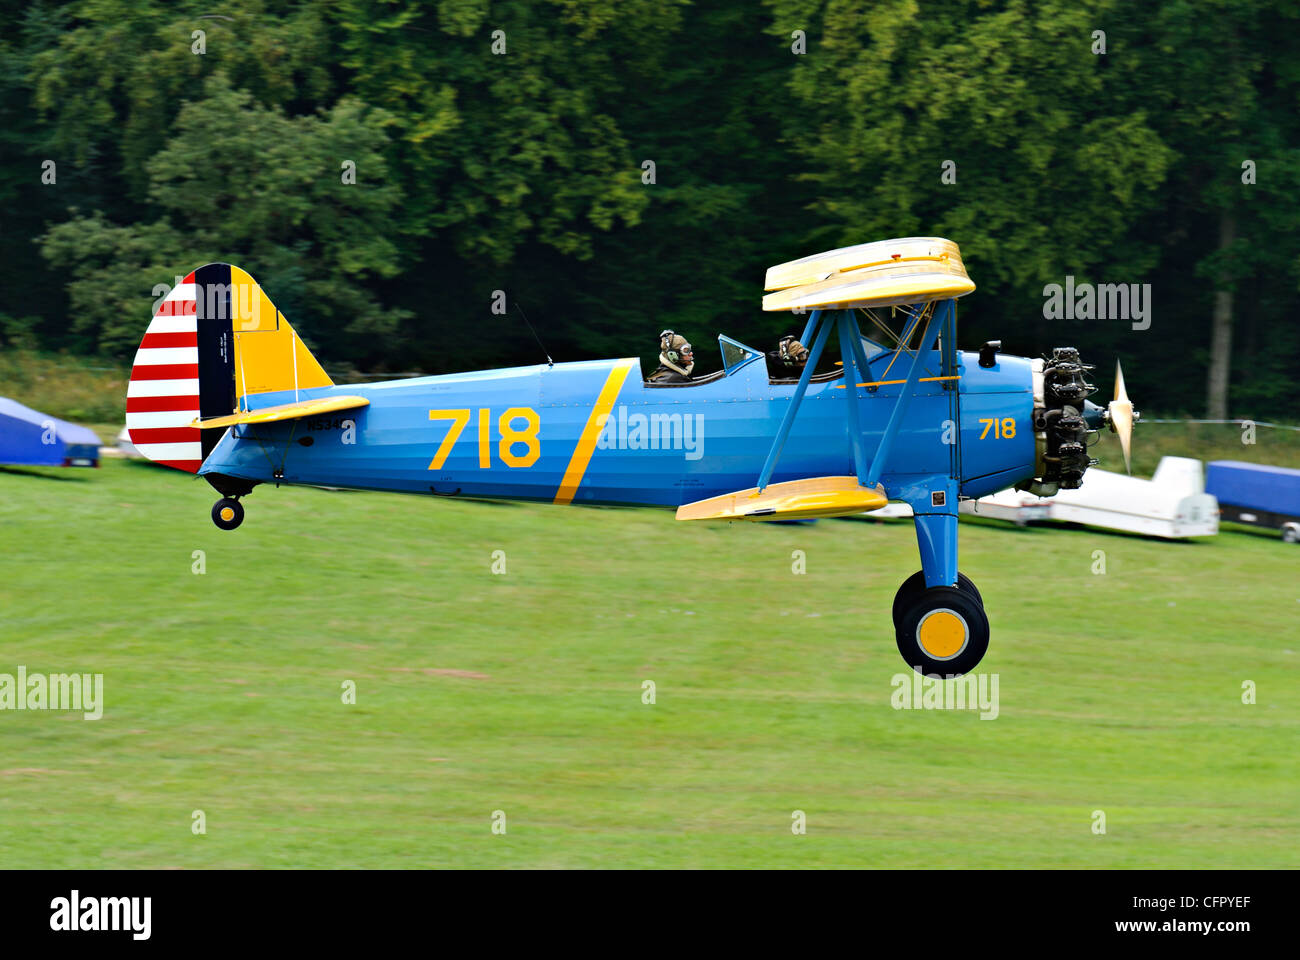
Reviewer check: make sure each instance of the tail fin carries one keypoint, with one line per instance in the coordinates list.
(215, 339)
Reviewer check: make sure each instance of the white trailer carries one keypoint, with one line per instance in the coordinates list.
(1173, 504)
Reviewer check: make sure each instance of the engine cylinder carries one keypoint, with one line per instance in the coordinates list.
(1061, 429)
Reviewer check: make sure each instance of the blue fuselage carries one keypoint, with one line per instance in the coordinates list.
(537, 433)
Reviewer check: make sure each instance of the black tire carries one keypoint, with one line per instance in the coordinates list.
(914, 585)
(1291, 533)
(947, 654)
(227, 513)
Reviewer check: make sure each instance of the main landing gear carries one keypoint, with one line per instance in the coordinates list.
(940, 630)
(227, 513)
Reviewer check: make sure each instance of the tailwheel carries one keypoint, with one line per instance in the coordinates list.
(914, 585)
(227, 513)
(942, 630)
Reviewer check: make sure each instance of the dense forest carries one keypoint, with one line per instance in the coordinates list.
(621, 166)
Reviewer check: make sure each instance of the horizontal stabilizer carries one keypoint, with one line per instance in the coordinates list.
(792, 500)
(285, 411)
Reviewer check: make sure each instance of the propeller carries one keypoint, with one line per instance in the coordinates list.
(1121, 416)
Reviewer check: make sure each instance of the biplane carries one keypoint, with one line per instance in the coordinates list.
(222, 386)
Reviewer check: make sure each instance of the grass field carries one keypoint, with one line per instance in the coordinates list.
(69, 387)
(522, 692)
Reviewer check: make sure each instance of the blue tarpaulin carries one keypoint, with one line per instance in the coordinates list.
(31, 438)
(1255, 486)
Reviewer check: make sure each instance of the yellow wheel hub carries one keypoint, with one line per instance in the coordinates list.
(227, 514)
(942, 634)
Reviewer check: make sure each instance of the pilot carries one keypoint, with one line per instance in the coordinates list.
(789, 357)
(676, 359)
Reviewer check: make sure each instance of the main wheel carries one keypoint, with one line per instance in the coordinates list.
(943, 630)
(914, 585)
(227, 513)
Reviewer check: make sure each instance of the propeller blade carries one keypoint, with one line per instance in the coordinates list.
(1121, 417)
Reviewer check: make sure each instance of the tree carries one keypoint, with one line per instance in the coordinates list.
(1220, 81)
(243, 182)
(1044, 174)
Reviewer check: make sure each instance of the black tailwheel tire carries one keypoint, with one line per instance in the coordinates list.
(227, 513)
(943, 631)
(915, 584)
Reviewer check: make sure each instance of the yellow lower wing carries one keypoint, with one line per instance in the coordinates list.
(792, 500)
(285, 411)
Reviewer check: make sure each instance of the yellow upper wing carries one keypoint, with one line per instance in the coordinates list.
(820, 266)
(883, 274)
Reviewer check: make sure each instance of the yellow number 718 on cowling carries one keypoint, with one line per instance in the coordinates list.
(1003, 429)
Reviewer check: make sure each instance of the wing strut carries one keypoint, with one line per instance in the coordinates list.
(855, 371)
(942, 322)
(942, 319)
(788, 420)
(850, 334)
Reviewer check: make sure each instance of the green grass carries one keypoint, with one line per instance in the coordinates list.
(1204, 441)
(522, 692)
(72, 388)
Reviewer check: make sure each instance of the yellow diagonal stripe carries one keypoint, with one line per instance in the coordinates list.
(591, 432)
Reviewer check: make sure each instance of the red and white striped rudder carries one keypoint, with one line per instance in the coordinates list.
(162, 398)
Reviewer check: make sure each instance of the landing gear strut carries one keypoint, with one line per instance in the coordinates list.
(940, 630)
(227, 513)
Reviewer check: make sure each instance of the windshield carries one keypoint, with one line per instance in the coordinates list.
(735, 354)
